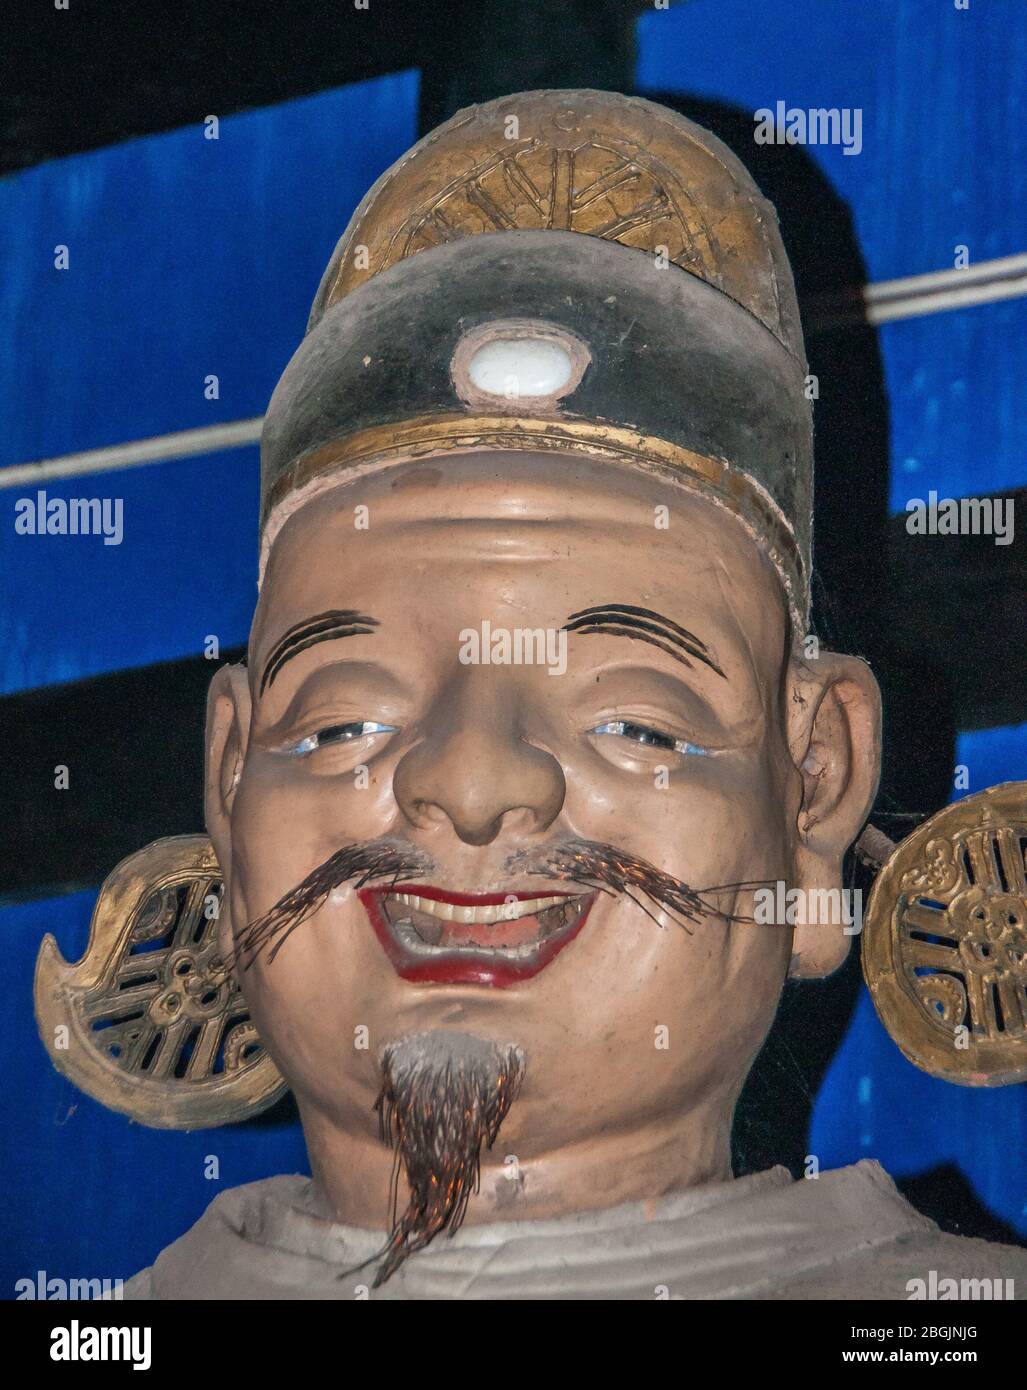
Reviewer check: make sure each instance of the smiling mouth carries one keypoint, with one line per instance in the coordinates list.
(464, 938)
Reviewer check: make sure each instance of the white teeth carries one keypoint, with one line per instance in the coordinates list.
(480, 913)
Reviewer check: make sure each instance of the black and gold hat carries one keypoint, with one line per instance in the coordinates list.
(566, 271)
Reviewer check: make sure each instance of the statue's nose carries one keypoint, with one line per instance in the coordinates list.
(476, 769)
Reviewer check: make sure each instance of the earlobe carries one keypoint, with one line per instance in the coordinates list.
(835, 740)
(228, 728)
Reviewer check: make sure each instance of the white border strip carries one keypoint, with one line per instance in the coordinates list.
(918, 295)
(946, 289)
(890, 300)
(209, 439)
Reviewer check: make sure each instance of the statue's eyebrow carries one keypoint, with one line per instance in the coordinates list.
(627, 620)
(324, 627)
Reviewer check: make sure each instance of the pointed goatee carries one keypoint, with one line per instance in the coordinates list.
(444, 1095)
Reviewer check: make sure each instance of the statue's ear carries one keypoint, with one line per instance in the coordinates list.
(228, 731)
(835, 741)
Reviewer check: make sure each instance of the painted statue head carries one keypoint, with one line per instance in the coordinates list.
(528, 714)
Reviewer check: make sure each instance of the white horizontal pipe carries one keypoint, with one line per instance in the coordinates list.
(209, 439)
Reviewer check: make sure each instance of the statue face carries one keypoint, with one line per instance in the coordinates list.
(694, 758)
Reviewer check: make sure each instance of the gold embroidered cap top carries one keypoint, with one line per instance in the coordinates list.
(619, 168)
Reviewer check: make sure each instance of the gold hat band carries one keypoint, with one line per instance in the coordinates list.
(713, 478)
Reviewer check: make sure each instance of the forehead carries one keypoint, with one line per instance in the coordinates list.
(447, 537)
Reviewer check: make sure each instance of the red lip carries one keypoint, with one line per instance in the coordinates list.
(454, 967)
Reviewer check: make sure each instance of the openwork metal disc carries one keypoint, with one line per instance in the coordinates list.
(149, 1022)
(945, 941)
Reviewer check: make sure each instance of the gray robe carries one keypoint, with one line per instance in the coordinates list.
(846, 1234)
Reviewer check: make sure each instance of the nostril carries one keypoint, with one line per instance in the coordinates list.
(522, 819)
(478, 836)
(517, 820)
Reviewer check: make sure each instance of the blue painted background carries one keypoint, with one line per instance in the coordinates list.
(188, 257)
(191, 256)
(186, 568)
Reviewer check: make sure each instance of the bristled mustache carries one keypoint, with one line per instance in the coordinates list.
(596, 865)
(591, 863)
(367, 861)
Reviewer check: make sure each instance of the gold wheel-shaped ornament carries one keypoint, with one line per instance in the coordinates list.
(945, 941)
(149, 1022)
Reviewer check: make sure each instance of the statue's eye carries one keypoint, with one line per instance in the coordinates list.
(652, 738)
(339, 733)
